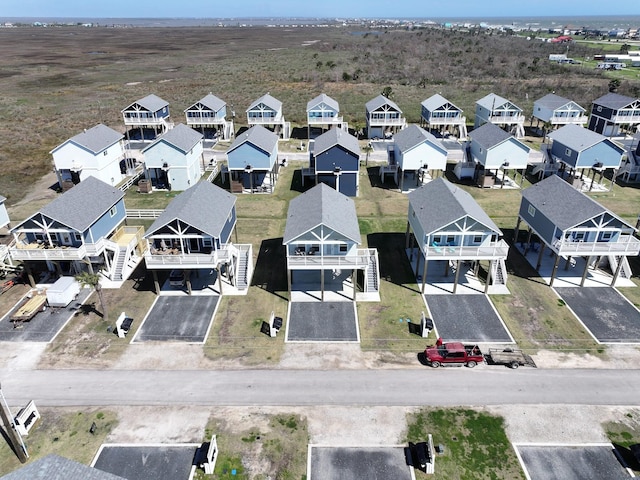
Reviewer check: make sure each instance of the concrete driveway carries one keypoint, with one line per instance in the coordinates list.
(45, 326)
(570, 462)
(467, 318)
(178, 319)
(322, 322)
(604, 312)
(355, 463)
(142, 462)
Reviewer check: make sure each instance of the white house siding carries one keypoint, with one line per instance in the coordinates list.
(420, 155)
(104, 166)
(184, 170)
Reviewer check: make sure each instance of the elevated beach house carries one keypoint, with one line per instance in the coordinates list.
(579, 149)
(438, 113)
(613, 113)
(334, 159)
(497, 110)
(148, 113)
(570, 224)
(321, 240)
(384, 118)
(174, 160)
(448, 226)
(80, 230)
(557, 111)
(495, 151)
(209, 116)
(252, 161)
(416, 157)
(323, 113)
(267, 112)
(97, 152)
(194, 233)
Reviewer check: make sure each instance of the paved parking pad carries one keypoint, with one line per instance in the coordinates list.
(178, 319)
(322, 322)
(604, 312)
(144, 462)
(571, 462)
(45, 325)
(467, 318)
(355, 463)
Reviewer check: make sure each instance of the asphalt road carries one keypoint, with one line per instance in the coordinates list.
(444, 387)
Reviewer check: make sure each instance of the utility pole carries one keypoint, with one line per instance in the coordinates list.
(14, 436)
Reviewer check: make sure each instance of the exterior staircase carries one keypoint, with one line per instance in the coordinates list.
(118, 264)
(372, 280)
(499, 273)
(625, 271)
(243, 266)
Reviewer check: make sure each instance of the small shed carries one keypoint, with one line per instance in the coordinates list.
(63, 292)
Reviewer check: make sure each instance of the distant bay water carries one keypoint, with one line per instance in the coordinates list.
(543, 22)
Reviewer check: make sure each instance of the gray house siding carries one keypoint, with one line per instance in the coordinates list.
(537, 221)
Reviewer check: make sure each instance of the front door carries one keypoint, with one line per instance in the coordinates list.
(194, 245)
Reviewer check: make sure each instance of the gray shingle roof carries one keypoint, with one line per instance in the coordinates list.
(576, 137)
(489, 135)
(614, 101)
(553, 101)
(333, 137)
(96, 139)
(211, 102)
(558, 201)
(436, 101)
(152, 103)
(493, 101)
(258, 136)
(182, 137)
(413, 135)
(204, 206)
(440, 203)
(54, 467)
(323, 98)
(81, 206)
(379, 101)
(269, 101)
(322, 205)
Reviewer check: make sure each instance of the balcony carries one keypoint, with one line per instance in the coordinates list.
(384, 122)
(265, 120)
(205, 121)
(496, 250)
(323, 262)
(626, 245)
(624, 119)
(579, 120)
(326, 120)
(506, 119)
(43, 251)
(144, 120)
(446, 120)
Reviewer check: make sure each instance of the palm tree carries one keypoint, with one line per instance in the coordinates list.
(92, 280)
(367, 149)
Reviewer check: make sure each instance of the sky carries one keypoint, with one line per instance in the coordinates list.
(321, 8)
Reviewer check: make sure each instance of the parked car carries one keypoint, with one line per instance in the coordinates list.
(176, 278)
(453, 353)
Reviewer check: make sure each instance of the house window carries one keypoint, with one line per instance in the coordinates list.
(343, 248)
(606, 235)
(531, 211)
(207, 242)
(113, 211)
(105, 153)
(77, 237)
(39, 237)
(568, 152)
(599, 108)
(477, 239)
(450, 239)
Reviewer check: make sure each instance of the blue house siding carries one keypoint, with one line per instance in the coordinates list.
(328, 160)
(604, 152)
(107, 223)
(538, 222)
(248, 154)
(225, 235)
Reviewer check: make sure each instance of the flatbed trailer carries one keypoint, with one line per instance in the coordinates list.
(30, 307)
(510, 357)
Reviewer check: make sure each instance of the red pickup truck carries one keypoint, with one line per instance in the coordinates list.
(453, 353)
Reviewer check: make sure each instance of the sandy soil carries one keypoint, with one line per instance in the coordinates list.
(38, 196)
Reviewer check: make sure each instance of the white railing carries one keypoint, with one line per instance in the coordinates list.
(626, 244)
(132, 179)
(143, 121)
(182, 259)
(499, 249)
(381, 122)
(626, 119)
(198, 121)
(582, 119)
(359, 260)
(266, 120)
(445, 120)
(324, 120)
(143, 213)
(29, 252)
(508, 119)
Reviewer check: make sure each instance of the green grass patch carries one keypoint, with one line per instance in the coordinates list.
(475, 444)
(65, 433)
